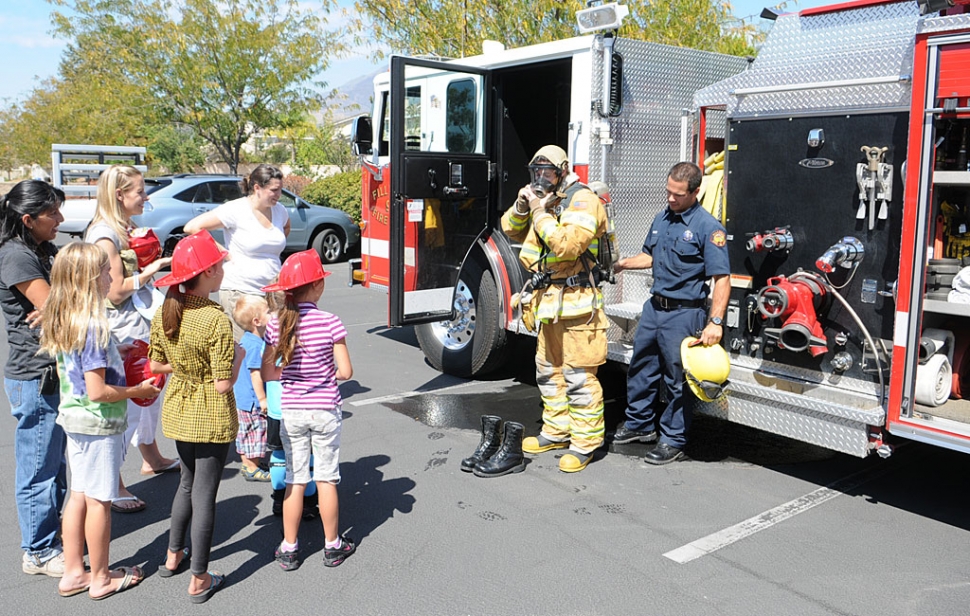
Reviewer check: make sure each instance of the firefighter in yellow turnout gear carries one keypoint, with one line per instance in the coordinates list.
(560, 222)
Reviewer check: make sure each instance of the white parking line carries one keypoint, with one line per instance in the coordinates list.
(767, 519)
(409, 394)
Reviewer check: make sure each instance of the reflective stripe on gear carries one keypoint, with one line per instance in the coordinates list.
(567, 356)
(582, 222)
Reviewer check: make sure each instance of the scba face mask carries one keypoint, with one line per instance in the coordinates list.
(541, 184)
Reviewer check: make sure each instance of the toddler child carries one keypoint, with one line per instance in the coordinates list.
(251, 313)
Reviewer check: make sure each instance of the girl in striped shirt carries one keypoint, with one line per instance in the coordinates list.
(306, 351)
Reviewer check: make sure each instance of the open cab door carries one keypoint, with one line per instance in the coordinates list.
(441, 172)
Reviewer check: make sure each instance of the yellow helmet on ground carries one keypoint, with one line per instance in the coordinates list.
(706, 367)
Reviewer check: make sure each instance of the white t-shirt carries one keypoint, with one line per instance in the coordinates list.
(254, 250)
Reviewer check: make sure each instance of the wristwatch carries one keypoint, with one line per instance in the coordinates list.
(716, 321)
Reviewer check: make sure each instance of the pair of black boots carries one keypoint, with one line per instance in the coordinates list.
(499, 452)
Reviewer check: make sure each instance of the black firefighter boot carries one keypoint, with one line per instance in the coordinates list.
(491, 438)
(508, 458)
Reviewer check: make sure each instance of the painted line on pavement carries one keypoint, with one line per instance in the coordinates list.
(410, 394)
(767, 519)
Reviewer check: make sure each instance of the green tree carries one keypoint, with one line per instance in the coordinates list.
(456, 28)
(72, 110)
(176, 148)
(324, 145)
(341, 191)
(225, 68)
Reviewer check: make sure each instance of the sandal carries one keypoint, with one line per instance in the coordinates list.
(139, 504)
(217, 581)
(183, 564)
(174, 466)
(74, 591)
(133, 576)
(257, 474)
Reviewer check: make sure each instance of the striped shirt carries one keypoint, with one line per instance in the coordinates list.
(310, 379)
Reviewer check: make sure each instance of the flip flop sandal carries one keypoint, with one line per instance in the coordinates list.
(73, 592)
(140, 506)
(174, 467)
(133, 576)
(165, 572)
(217, 582)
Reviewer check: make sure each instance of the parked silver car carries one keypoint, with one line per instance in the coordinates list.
(176, 199)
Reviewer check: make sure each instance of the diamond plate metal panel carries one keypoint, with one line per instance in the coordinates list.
(792, 402)
(794, 422)
(865, 43)
(850, 392)
(932, 25)
(658, 87)
(820, 406)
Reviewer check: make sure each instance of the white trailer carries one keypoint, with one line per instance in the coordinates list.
(75, 170)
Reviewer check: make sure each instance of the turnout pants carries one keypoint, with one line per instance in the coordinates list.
(568, 355)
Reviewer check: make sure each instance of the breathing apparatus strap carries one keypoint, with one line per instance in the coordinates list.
(587, 258)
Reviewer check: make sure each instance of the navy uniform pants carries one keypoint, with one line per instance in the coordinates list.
(656, 357)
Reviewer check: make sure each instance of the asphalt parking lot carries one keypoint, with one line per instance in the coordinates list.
(749, 524)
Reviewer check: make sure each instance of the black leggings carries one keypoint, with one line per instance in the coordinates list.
(195, 499)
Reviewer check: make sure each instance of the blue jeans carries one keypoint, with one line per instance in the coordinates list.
(41, 476)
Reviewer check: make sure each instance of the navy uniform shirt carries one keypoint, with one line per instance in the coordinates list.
(687, 249)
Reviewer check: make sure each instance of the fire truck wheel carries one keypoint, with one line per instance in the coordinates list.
(474, 342)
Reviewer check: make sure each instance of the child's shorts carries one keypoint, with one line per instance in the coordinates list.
(306, 431)
(95, 464)
(251, 439)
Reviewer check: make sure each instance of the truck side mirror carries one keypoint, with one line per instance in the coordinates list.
(361, 136)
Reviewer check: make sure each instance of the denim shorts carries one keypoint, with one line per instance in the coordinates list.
(95, 463)
(306, 431)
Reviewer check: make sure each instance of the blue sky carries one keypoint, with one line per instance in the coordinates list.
(31, 54)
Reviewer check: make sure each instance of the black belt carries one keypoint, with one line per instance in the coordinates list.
(665, 303)
(579, 280)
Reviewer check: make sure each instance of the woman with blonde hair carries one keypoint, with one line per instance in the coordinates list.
(91, 412)
(121, 195)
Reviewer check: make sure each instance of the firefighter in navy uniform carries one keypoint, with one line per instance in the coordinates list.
(686, 247)
(560, 222)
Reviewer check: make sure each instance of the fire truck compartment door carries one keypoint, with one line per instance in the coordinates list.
(440, 142)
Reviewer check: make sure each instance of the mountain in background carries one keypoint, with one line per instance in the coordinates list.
(355, 97)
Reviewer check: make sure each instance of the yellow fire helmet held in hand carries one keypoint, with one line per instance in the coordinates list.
(706, 367)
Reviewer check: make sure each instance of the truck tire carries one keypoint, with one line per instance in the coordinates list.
(328, 245)
(475, 342)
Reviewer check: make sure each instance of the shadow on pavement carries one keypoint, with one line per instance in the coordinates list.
(367, 500)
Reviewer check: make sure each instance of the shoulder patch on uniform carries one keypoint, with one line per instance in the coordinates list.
(578, 204)
(718, 238)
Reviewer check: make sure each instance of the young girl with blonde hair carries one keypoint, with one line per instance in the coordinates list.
(121, 195)
(92, 412)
